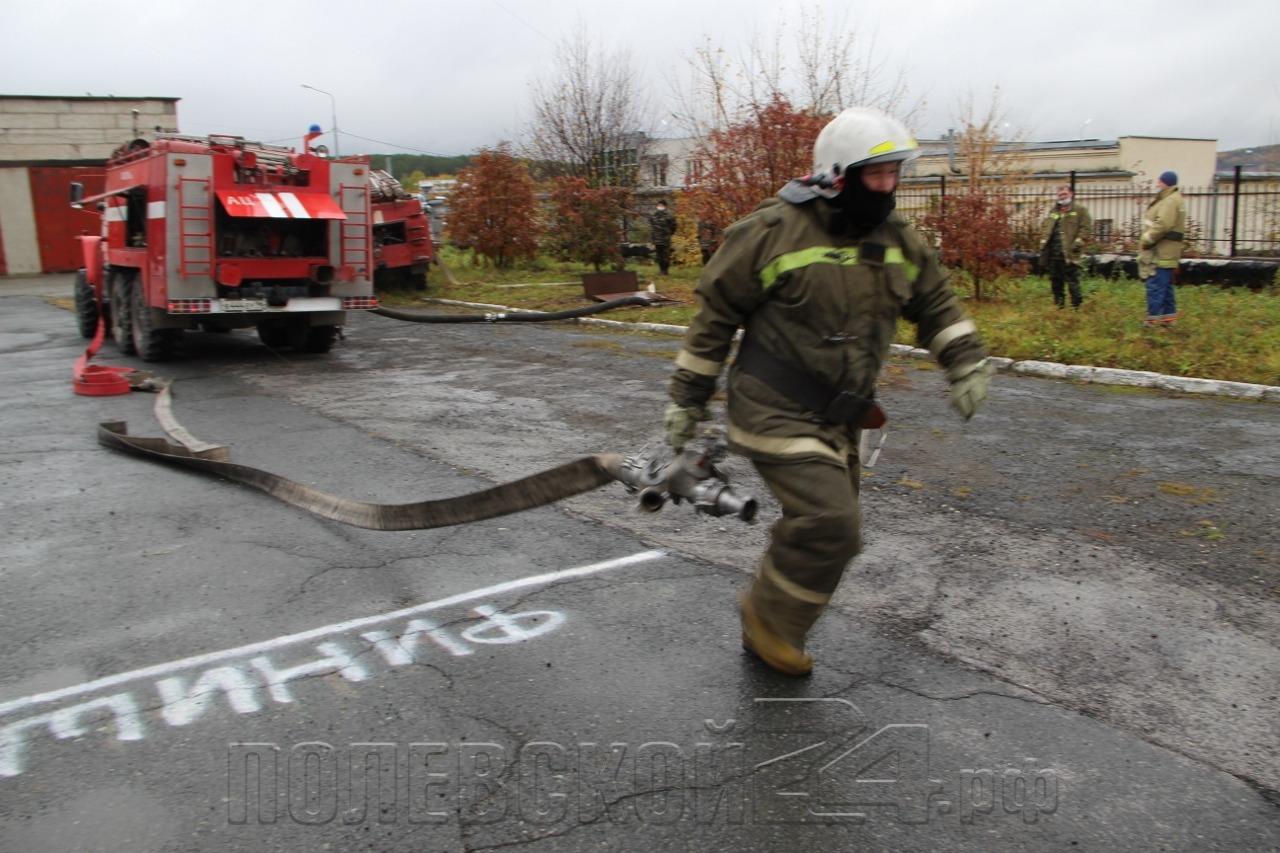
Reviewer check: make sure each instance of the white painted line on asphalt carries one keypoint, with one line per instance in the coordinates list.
(328, 630)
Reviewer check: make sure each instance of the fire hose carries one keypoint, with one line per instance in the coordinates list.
(655, 477)
(515, 316)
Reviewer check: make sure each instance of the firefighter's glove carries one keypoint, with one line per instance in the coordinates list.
(681, 422)
(969, 384)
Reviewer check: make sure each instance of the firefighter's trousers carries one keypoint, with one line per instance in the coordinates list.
(662, 253)
(819, 533)
(1065, 275)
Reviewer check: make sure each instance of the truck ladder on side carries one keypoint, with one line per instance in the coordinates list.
(195, 238)
(356, 248)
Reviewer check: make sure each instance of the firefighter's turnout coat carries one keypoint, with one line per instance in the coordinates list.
(822, 299)
(1074, 228)
(1164, 228)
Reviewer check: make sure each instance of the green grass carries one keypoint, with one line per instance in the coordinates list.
(1224, 333)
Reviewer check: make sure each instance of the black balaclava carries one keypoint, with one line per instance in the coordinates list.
(862, 209)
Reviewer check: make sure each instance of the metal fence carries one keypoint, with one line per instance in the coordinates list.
(1235, 218)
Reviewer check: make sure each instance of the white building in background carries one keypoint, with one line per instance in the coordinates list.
(1128, 159)
(667, 164)
(671, 164)
(46, 142)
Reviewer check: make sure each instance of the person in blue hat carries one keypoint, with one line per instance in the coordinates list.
(1164, 228)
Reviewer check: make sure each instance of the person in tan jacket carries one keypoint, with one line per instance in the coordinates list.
(817, 278)
(1066, 229)
(1164, 228)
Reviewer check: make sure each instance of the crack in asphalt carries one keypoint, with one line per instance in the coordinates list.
(959, 697)
(367, 567)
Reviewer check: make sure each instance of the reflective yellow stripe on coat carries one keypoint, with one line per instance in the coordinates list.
(846, 256)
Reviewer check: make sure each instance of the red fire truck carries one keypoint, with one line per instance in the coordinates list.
(220, 233)
(402, 248)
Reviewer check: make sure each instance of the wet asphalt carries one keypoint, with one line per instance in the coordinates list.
(1062, 636)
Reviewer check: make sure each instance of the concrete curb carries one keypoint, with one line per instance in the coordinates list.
(1044, 369)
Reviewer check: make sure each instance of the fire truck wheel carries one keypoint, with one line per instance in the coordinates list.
(86, 306)
(273, 335)
(151, 344)
(121, 286)
(313, 338)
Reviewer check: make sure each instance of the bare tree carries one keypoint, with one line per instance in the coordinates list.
(839, 68)
(832, 67)
(588, 116)
(987, 153)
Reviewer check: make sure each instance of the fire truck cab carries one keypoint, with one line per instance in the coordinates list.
(220, 233)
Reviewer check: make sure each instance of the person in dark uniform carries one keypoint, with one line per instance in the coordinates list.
(662, 226)
(1065, 231)
(817, 278)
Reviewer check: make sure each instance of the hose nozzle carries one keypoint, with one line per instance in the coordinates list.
(652, 500)
(717, 498)
(690, 476)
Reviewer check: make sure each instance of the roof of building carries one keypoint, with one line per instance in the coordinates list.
(1229, 174)
(1170, 138)
(942, 146)
(89, 98)
(1031, 176)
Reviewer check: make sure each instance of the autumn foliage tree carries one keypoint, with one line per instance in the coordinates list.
(492, 210)
(975, 234)
(975, 228)
(586, 221)
(746, 162)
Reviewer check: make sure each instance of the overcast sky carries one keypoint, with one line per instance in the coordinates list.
(447, 77)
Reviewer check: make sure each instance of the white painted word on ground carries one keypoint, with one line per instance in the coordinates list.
(247, 678)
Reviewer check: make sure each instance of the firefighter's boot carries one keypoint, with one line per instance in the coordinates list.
(770, 642)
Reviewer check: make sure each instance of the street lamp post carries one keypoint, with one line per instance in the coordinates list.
(333, 105)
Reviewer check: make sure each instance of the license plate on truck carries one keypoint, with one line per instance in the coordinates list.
(231, 305)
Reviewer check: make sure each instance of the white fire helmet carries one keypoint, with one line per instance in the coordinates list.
(858, 136)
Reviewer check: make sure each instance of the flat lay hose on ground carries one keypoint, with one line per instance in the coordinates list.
(515, 316)
(694, 479)
(545, 487)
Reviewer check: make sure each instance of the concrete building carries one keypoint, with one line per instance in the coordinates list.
(46, 142)
(1128, 159)
(667, 163)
